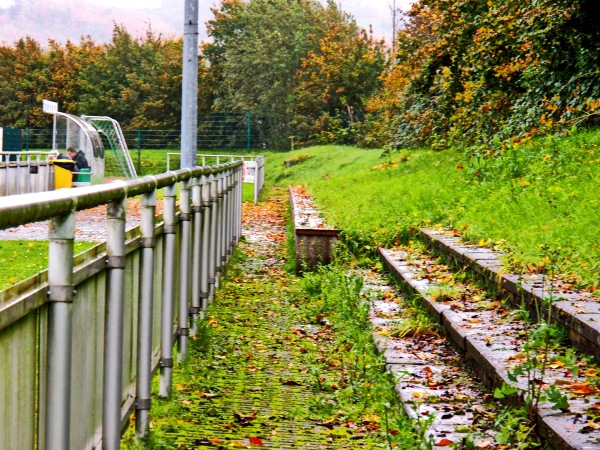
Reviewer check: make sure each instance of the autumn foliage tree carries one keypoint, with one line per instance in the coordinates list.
(469, 72)
(134, 80)
(304, 69)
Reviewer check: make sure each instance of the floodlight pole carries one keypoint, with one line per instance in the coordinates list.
(189, 100)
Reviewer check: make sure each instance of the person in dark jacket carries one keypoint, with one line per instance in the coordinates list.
(78, 158)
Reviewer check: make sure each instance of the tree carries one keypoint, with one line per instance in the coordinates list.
(280, 59)
(22, 83)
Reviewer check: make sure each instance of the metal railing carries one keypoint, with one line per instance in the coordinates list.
(23, 173)
(80, 341)
(252, 173)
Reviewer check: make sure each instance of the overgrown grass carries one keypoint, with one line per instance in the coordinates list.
(539, 201)
(26, 258)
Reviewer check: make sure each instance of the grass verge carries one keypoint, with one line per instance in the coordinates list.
(538, 201)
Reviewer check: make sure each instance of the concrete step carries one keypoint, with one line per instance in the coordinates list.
(577, 310)
(491, 338)
(435, 388)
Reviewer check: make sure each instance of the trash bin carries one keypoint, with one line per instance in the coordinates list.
(82, 178)
(63, 173)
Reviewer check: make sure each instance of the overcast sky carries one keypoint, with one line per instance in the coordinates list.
(366, 12)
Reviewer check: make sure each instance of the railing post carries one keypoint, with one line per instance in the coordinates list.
(113, 327)
(232, 208)
(212, 255)
(139, 151)
(225, 220)
(196, 251)
(168, 300)
(219, 230)
(146, 302)
(241, 195)
(60, 327)
(236, 204)
(206, 234)
(185, 217)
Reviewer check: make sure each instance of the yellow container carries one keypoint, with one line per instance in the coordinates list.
(63, 177)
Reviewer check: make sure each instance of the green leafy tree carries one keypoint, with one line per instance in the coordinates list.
(336, 79)
(302, 68)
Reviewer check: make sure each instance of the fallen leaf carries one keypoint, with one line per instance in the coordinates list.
(256, 441)
(428, 372)
(581, 388)
(444, 443)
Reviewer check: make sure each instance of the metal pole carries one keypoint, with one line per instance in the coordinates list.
(113, 327)
(219, 229)
(189, 101)
(212, 258)
(236, 207)
(196, 251)
(166, 344)
(54, 131)
(139, 151)
(144, 356)
(225, 221)
(249, 128)
(241, 195)
(230, 213)
(183, 331)
(60, 323)
(206, 234)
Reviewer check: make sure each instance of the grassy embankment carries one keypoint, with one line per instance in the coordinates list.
(538, 201)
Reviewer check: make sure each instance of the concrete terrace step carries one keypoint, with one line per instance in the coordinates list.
(576, 310)
(434, 387)
(491, 339)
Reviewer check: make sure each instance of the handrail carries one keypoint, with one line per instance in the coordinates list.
(78, 316)
(259, 169)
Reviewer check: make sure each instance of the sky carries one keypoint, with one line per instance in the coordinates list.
(366, 12)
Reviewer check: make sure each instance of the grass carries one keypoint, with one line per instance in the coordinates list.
(281, 360)
(538, 201)
(26, 258)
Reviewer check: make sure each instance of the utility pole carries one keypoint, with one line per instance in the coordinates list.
(395, 12)
(189, 97)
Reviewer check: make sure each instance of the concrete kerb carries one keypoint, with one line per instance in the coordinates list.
(577, 311)
(489, 360)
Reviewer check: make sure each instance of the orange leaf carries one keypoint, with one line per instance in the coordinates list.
(256, 441)
(216, 441)
(444, 443)
(581, 388)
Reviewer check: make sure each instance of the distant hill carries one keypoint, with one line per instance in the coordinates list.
(70, 20)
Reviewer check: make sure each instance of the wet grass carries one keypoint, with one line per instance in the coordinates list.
(282, 362)
(21, 259)
(538, 201)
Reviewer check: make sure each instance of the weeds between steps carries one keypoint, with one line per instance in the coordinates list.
(553, 375)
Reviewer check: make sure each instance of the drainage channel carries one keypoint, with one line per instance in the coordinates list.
(495, 340)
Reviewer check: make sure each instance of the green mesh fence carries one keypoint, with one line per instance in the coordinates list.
(216, 131)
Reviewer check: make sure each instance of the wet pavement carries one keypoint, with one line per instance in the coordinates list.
(90, 224)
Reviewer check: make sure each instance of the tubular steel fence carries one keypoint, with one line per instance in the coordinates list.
(253, 170)
(80, 341)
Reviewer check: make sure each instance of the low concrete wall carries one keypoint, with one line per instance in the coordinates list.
(314, 241)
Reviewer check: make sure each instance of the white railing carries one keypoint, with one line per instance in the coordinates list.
(80, 341)
(253, 169)
(24, 173)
